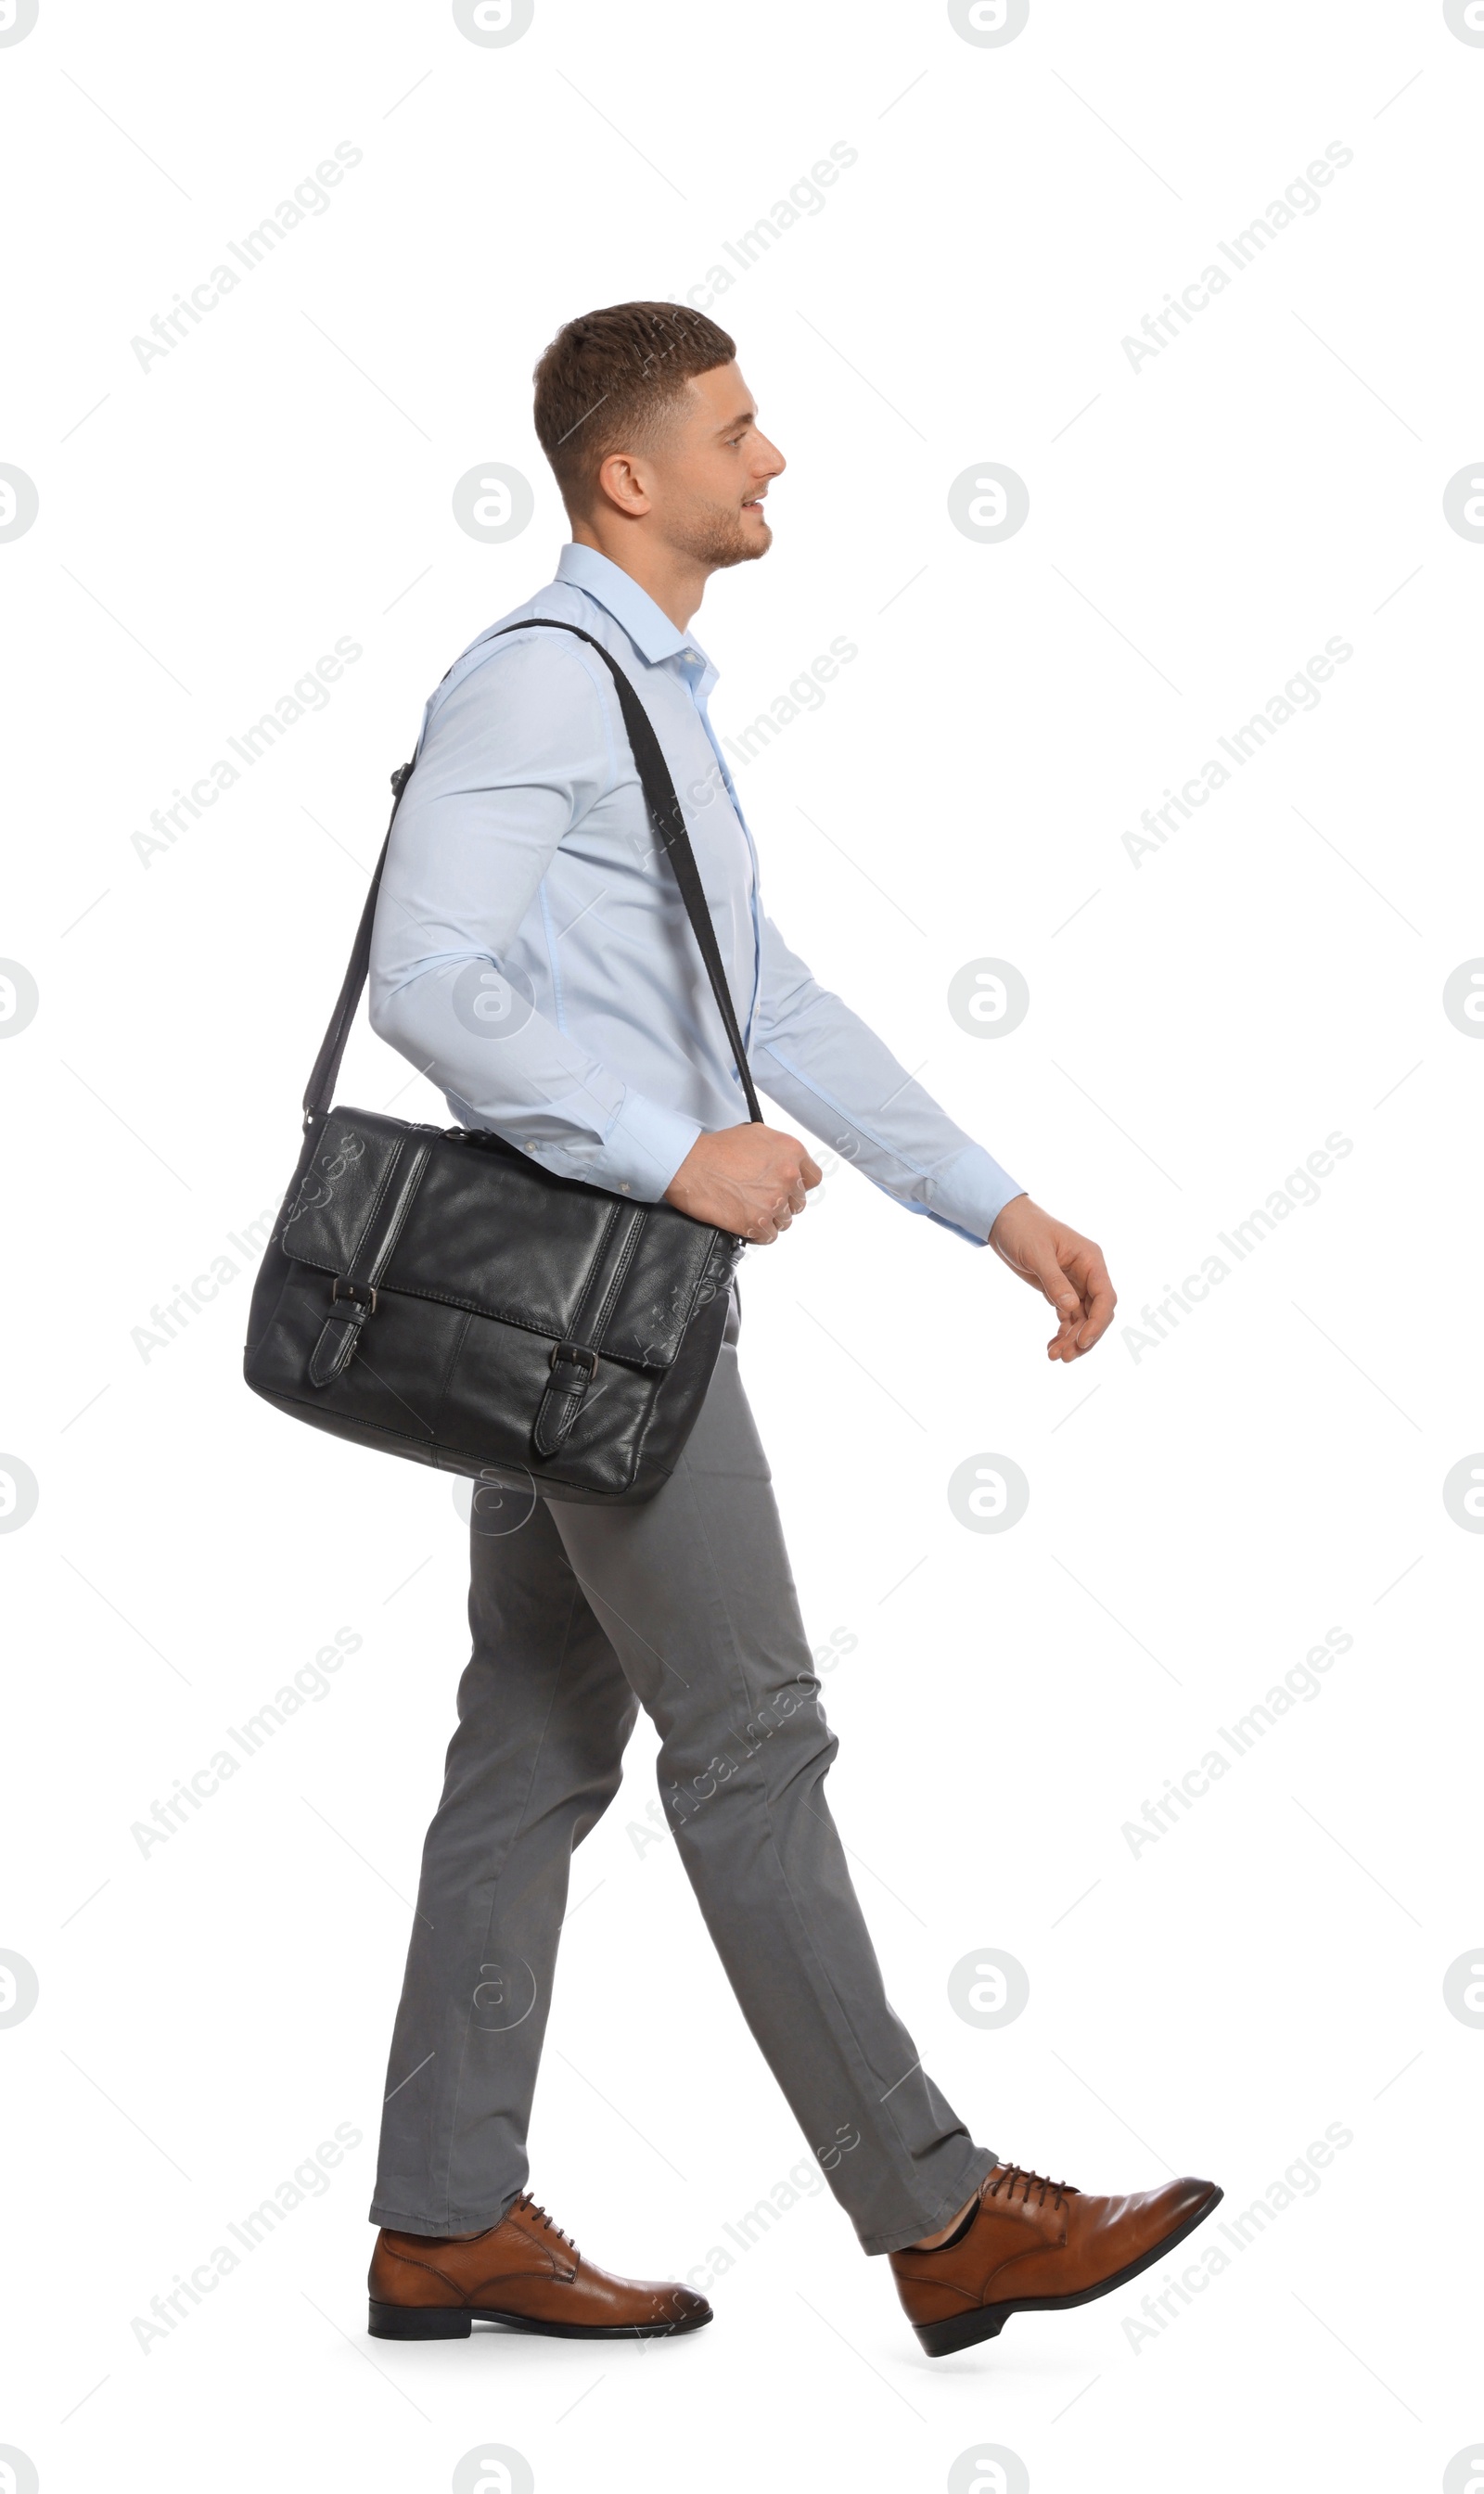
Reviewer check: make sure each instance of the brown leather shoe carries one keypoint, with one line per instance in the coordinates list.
(523, 2272)
(1034, 2245)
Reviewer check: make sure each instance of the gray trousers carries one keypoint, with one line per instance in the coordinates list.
(580, 1616)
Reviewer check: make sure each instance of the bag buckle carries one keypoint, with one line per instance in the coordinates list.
(576, 1356)
(360, 1293)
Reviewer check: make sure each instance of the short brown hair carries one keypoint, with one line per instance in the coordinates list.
(608, 379)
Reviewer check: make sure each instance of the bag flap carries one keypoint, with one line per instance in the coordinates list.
(492, 1231)
(345, 1171)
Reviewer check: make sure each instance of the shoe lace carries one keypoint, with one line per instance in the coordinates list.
(529, 2208)
(1008, 2176)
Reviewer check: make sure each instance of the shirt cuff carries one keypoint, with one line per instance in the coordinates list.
(643, 1148)
(969, 1193)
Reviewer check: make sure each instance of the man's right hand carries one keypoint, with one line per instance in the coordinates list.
(748, 1179)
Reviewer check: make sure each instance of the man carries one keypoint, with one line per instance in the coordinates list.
(532, 954)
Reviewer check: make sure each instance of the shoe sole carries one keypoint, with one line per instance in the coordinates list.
(971, 2328)
(408, 2321)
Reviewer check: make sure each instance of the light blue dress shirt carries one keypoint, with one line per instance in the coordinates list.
(532, 951)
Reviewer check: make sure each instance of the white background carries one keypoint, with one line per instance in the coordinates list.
(1200, 1514)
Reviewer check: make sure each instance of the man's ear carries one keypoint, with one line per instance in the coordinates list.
(620, 481)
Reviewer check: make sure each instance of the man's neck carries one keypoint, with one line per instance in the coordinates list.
(676, 582)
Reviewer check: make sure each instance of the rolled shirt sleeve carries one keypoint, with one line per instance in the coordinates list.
(497, 785)
(842, 1083)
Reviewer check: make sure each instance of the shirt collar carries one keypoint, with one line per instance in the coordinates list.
(646, 625)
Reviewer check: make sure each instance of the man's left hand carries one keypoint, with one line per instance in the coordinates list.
(1064, 1266)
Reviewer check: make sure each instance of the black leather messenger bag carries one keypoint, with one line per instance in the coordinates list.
(438, 1294)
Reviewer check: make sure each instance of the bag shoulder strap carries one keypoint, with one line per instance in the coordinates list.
(669, 823)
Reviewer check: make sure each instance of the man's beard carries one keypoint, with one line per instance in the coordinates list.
(719, 537)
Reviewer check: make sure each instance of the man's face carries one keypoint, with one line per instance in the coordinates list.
(706, 481)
